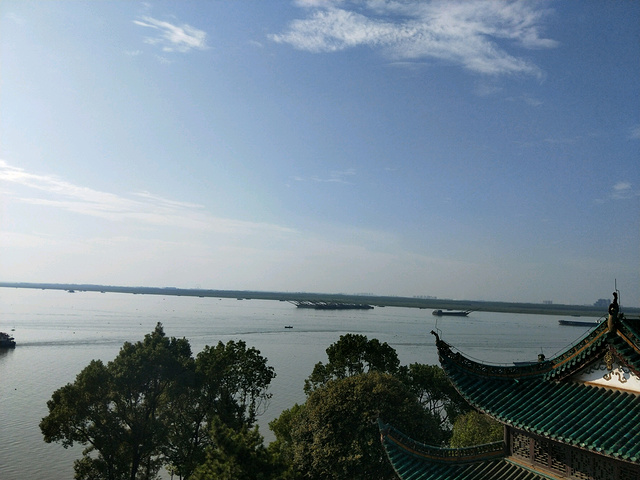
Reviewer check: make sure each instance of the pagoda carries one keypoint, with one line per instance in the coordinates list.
(575, 416)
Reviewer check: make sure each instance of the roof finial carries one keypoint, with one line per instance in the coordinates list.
(614, 308)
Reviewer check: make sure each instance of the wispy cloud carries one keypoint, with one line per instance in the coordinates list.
(335, 176)
(623, 190)
(474, 35)
(635, 133)
(139, 207)
(173, 38)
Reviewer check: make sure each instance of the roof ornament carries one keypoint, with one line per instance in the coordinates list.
(443, 347)
(614, 309)
(608, 360)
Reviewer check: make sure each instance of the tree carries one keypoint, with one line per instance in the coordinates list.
(336, 435)
(353, 354)
(153, 406)
(475, 428)
(229, 387)
(118, 410)
(237, 455)
(435, 393)
(282, 448)
(236, 378)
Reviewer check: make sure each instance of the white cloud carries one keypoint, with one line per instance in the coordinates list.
(174, 38)
(141, 207)
(622, 190)
(635, 133)
(473, 35)
(335, 176)
(622, 186)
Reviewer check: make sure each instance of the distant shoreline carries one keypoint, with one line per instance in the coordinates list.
(376, 301)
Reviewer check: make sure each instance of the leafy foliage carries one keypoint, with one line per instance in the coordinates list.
(282, 448)
(332, 434)
(153, 405)
(237, 455)
(474, 428)
(118, 409)
(335, 435)
(435, 393)
(352, 355)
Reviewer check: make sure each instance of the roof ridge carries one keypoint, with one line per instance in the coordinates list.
(560, 366)
(438, 454)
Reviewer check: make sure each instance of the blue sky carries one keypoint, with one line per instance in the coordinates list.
(473, 150)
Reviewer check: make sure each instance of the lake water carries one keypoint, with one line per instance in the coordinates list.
(59, 333)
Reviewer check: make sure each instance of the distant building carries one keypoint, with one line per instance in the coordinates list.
(547, 302)
(575, 416)
(602, 303)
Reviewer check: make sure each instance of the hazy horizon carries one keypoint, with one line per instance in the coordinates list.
(466, 150)
(169, 291)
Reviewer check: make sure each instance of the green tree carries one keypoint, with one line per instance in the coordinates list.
(435, 393)
(153, 405)
(118, 410)
(237, 455)
(282, 448)
(236, 379)
(475, 428)
(336, 434)
(229, 385)
(353, 354)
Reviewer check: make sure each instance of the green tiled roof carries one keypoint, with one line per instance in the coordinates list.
(535, 398)
(538, 398)
(414, 461)
(624, 343)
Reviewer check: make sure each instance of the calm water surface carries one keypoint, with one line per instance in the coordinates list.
(59, 333)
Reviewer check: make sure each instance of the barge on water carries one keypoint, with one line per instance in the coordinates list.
(318, 305)
(578, 323)
(451, 313)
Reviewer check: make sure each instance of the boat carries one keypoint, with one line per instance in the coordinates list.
(288, 326)
(578, 323)
(317, 305)
(7, 341)
(451, 313)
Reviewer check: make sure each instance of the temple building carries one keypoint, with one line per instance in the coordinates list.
(575, 416)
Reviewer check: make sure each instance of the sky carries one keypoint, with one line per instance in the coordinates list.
(480, 150)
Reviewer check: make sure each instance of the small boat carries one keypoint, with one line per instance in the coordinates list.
(451, 313)
(7, 341)
(577, 323)
(288, 326)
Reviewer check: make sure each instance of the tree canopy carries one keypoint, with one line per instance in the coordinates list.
(153, 405)
(238, 454)
(435, 393)
(353, 354)
(475, 428)
(336, 435)
(333, 434)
